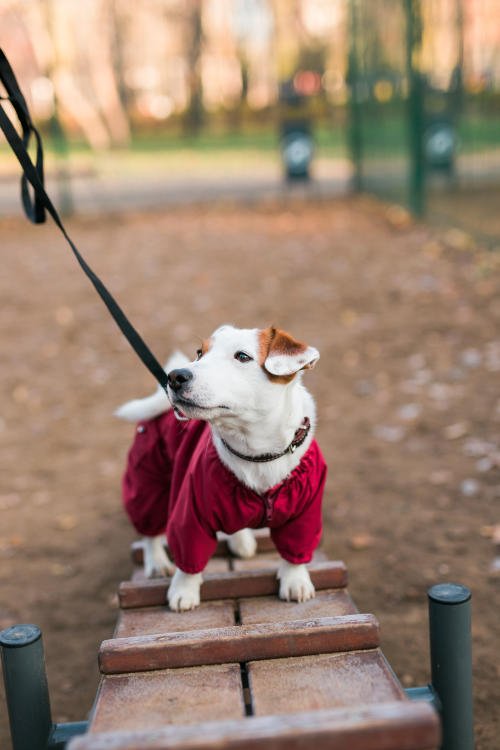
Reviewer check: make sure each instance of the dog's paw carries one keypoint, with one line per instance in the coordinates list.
(295, 583)
(156, 562)
(184, 591)
(242, 543)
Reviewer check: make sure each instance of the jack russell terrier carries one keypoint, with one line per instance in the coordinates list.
(231, 449)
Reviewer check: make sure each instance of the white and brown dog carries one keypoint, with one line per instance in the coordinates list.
(235, 452)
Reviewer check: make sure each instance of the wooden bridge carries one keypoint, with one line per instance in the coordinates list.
(246, 670)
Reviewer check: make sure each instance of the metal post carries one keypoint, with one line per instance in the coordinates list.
(451, 662)
(26, 687)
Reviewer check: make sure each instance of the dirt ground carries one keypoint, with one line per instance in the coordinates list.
(407, 321)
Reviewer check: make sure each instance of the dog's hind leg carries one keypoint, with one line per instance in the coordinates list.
(156, 562)
(242, 543)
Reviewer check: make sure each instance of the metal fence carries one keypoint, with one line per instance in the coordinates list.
(424, 77)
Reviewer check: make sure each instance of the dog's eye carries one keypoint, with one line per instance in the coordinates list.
(242, 357)
(199, 353)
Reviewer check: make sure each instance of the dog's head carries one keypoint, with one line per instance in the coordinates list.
(238, 373)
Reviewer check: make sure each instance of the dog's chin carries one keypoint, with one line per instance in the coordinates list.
(185, 410)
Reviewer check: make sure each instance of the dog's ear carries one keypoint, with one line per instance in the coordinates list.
(283, 356)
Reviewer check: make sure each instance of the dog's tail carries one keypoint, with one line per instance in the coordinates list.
(154, 405)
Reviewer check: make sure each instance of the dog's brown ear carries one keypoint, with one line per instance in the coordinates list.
(283, 356)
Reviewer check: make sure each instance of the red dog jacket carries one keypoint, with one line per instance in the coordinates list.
(175, 481)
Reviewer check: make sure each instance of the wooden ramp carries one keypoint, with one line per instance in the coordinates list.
(246, 670)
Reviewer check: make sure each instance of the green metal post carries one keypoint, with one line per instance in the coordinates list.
(416, 115)
(451, 662)
(26, 687)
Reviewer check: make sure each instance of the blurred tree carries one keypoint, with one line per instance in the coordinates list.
(193, 118)
(74, 49)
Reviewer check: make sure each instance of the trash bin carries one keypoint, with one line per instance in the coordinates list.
(440, 144)
(296, 138)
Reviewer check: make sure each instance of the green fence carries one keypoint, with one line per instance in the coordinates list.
(424, 77)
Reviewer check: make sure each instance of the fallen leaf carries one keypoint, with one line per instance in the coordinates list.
(440, 476)
(455, 431)
(398, 217)
(349, 317)
(66, 523)
(458, 240)
(64, 316)
(487, 531)
(432, 248)
(16, 541)
(361, 541)
(57, 569)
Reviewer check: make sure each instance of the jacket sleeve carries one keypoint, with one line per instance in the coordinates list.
(190, 539)
(146, 483)
(297, 539)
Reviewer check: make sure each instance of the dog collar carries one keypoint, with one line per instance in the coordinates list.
(298, 438)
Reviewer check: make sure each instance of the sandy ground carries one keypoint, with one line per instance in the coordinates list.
(406, 318)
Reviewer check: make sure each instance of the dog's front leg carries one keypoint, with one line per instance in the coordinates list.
(295, 582)
(156, 562)
(184, 591)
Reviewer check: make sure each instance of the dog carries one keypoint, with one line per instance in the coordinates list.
(229, 447)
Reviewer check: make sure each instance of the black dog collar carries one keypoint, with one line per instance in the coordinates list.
(298, 438)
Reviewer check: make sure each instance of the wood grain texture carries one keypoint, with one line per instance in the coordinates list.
(240, 643)
(322, 681)
(270, 560)
(401, 725)
(157, 699)
(326, 603)
(148, 620)
(230, 585)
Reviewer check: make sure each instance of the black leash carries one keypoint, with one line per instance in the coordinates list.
(35, 208)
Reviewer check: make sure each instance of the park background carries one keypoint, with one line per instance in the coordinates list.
(162, 124)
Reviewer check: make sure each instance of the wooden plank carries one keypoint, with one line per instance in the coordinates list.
(147, 620)
(215, 565)
(326, 603)
(240, 643)
(270, 560)
(322, 681)
(402, 725)
(264, 544)
(178, 696)
(230, 585)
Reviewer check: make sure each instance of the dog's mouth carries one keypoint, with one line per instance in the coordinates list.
(180, 405)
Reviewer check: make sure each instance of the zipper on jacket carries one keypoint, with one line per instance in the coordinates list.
(269, 506)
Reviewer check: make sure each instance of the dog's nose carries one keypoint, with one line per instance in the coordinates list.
(178, 378)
